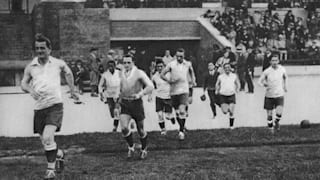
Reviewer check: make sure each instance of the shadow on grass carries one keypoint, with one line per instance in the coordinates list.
(114, 142)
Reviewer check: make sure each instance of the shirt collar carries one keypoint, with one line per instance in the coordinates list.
(35, 61)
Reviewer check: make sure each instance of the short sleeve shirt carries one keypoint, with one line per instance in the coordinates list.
(274, 80)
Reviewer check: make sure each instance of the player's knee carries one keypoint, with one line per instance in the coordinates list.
(125, 132)
(47, 139)
(182, 114)
(141, 133)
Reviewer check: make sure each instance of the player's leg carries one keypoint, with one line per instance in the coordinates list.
(231, 115)
(268, 106)
(279, 110)
(211, 95)
(168, 111)
(138, 115)
(126, 133)
(159, 110)
(182, 114)
(112, 107)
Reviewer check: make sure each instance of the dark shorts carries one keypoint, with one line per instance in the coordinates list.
(272, 103)
(163, 105)
(133, 108)
(48, 116)
(227, 99)
(178, 100)
(190, 92)
(112, 106)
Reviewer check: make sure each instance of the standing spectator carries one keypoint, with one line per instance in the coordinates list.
(289, 18)
(209, 84)
(266, 59)
(167, 57)
(241, 67)
(80, 76)
(94, 63)
(251, 61)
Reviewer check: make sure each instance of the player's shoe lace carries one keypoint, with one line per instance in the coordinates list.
(50, 174)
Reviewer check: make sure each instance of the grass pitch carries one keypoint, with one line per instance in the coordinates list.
(244, 153)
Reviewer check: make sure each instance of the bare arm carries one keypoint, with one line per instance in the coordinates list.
(69, 78)
(192, 75)
(237, 84)
(262, 80)
(101, 83)
(285, 82)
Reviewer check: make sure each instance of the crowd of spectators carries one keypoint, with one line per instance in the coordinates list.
(144, 3)
(266, 30)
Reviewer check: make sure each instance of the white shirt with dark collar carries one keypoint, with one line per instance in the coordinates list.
(46, 81)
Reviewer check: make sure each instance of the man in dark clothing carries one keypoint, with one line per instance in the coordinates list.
(94, 63)
(250, 69)
(266, 59)
(209, 84)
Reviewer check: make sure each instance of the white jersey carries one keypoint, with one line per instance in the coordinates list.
(46, 81)
(179, 74)
(274, 80)
(227, 84)
(162, 87)
(112, 83)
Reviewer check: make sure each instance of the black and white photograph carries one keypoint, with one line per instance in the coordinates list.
(159, 89)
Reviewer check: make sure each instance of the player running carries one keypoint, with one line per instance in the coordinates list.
(42, 80)
(163, 101)
(109, 88)
(179, 87)
(274, 79)
(209, 85)
(226, 87)
(134, 85)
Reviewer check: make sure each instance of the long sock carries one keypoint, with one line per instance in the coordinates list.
(51, 158)
(231, 121)
(278, 117)
(270, 123)
(162, 125)
(181, 124)
(129, 140)
(115, 122)
(144, 142)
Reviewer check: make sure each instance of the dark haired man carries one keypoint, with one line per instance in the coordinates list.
(109, 88)
(226, 87)
(274, 79)
(134, 85)
(42, 80)
(163, 100)
(209, 85)
(179, 70)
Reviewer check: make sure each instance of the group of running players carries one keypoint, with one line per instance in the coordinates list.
(122, 87)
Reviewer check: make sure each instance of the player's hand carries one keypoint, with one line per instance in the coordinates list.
(101, 97)
(35, 95)
(138, 95)
(149, 98)
(74, 96)
(285, 89)
(217, 93)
